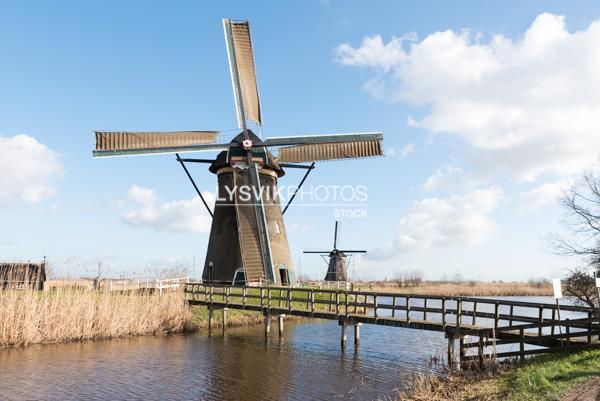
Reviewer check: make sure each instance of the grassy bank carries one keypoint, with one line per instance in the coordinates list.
(543, 378)
(235, 318)
(32, 317)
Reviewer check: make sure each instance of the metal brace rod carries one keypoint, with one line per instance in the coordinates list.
(197, 160)
(194, 184)
(291, 165)
(312, 166)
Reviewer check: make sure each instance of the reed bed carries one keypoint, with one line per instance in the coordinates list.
(35, 317)
(468, 289)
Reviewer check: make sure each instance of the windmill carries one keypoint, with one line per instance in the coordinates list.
(337, 266)
(248, 242)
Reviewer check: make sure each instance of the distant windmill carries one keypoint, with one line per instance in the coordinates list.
(337, 269)
(248, 241)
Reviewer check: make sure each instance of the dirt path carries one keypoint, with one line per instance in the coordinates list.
(586, 391)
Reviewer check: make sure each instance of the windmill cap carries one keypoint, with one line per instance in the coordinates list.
(223, 158)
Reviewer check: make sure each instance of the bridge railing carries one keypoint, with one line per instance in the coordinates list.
(536, 327)
(460, 312)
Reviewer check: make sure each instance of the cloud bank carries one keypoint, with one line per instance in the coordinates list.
(443, 222)
(27, 170)
(524, 107)
(173, 216)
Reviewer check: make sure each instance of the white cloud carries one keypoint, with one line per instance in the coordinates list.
(525, 107)
(407, 150)
(27, 169)
(541, 195)
(445, 178)
(174, 216)
(444, 222)
(402, 153)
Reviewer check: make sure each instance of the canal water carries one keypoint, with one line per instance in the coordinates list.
(307, 363)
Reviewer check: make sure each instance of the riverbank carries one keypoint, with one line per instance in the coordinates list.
(34, 317)
(542, 378)
(235, 318)
(466, 289)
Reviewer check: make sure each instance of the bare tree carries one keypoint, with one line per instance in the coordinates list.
(582, 204)
(581, 286)
(413, 278)
(177, 270)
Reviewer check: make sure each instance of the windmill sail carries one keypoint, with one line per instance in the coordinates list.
(243, 73)
(120, 143)
(329, 147)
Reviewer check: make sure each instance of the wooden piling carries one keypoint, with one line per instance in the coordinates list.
(452, 362)
(224, 310)
(357, 334)
(280, 325)
(267, 314)
(343, 325)
(480, 351)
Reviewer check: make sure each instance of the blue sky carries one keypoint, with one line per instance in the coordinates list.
(70, 67)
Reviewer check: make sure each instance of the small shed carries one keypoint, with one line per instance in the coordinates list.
(22, 276)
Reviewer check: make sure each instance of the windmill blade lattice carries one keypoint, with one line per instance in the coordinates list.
(121, 143)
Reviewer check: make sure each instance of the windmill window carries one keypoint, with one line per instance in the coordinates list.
(277, 229)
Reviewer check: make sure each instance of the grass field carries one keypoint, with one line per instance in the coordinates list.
(542, 378)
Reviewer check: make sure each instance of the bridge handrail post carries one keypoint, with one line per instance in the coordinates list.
(393, 306)
(211, 293)
(444, 313)
(244, 291)
(474, 320)
(459, 315)
(540, 319)
(312, 300)
(510, 321)
(521, 344)
(375, 305)
(407, 309)
(262, 295)
(568, 331)
(552, 329)
(269, 297)
(496, 316)
(589, 327)
(346, 303)
(337, 302)
(424, 309)
(289, 299)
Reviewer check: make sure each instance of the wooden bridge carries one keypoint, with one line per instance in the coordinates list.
(484, 328)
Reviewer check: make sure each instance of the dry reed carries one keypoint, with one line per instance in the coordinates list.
(472, 289)
(34, 317)
(452, 387)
